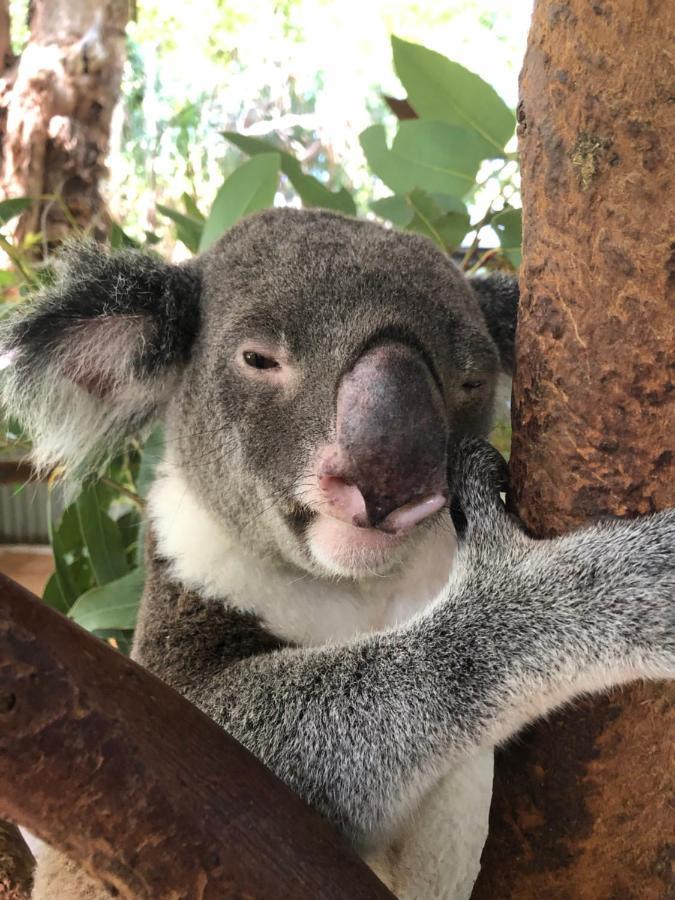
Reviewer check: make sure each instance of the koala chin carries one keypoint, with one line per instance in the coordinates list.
(330, 571)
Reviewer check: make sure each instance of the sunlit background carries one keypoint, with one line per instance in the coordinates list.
(310, 74)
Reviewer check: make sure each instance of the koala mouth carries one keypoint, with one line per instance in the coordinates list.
(346, 550)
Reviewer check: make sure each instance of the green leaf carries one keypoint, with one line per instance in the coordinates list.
(66, 585)
(310, 190)
(509, 228)
(153, 451)
(395, 209)
(192, 209)
(70, 536)
(188, 229)
(110, 606)
(119, 238)
(249, 188)
(435, 156)
(313, 193)
(53, 596)
(101, 536)
(431, 219)
(13, 207)
(444, 219)
(383, 162)
(438, 88)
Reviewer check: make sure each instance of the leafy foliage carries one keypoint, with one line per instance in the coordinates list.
(431, 167)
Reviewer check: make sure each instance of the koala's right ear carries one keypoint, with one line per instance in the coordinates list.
(94, 356)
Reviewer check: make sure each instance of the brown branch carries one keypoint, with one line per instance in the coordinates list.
(581, 805)
(108, 764)
(400, 108)
(16, 864)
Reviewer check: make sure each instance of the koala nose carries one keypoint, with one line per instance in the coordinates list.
(387, 468)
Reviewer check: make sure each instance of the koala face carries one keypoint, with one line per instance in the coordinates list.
(314, 373)
(336, 364)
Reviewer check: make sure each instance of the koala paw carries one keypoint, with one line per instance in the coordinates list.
(479, 474)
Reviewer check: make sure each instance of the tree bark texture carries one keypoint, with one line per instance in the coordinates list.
(583, 805)
(16, 864)
(111, 766)
(58, 105)
(5, 35)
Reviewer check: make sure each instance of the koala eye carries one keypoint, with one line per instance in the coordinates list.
(258, 361)
(472, 385)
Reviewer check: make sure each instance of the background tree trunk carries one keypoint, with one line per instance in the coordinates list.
(16, 864)
(583, 803)
(58, 110)
(5, 38)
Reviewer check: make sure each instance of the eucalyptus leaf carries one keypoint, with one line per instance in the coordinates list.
(153, 451)
(110, 606)
(442, 218)
(13, 207)
(435, 156)
(249, 188)
(68, 530)
(188, 228)
(66, 585)
(439, 88)
(508, 226)
(192, 209)
(53, 595)
(444, 228)
(310, 190)
(119, 238)
(383, 163)
(395, 209)
(101, 536)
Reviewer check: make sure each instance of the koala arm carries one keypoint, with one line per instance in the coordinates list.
(361, 730)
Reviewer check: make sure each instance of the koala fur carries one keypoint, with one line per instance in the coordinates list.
(305, 585)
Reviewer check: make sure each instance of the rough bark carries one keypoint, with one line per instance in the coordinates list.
(16, 864)
(111, 766)
(583, 805)
(5, 35)
(58, 112)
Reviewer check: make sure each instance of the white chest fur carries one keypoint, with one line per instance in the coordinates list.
(299, 608)
(436, 856)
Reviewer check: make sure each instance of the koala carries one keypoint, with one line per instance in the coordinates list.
(331, 573)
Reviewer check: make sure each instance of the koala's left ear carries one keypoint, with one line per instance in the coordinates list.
(93, 358)
(498, 296)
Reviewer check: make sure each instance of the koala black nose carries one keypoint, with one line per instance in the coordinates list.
(388, 466)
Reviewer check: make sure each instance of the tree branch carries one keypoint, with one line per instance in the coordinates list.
(111, 766)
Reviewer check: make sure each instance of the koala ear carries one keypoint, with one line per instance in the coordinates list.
(498, 296)
(94, 356)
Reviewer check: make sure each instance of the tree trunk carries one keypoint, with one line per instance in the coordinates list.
(5, 36)
(583, 803)
(58, 111)
(16, 864)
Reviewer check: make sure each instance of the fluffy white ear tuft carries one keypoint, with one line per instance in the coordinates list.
(93, 357)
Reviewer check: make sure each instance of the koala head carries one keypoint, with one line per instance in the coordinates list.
(314, 373)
